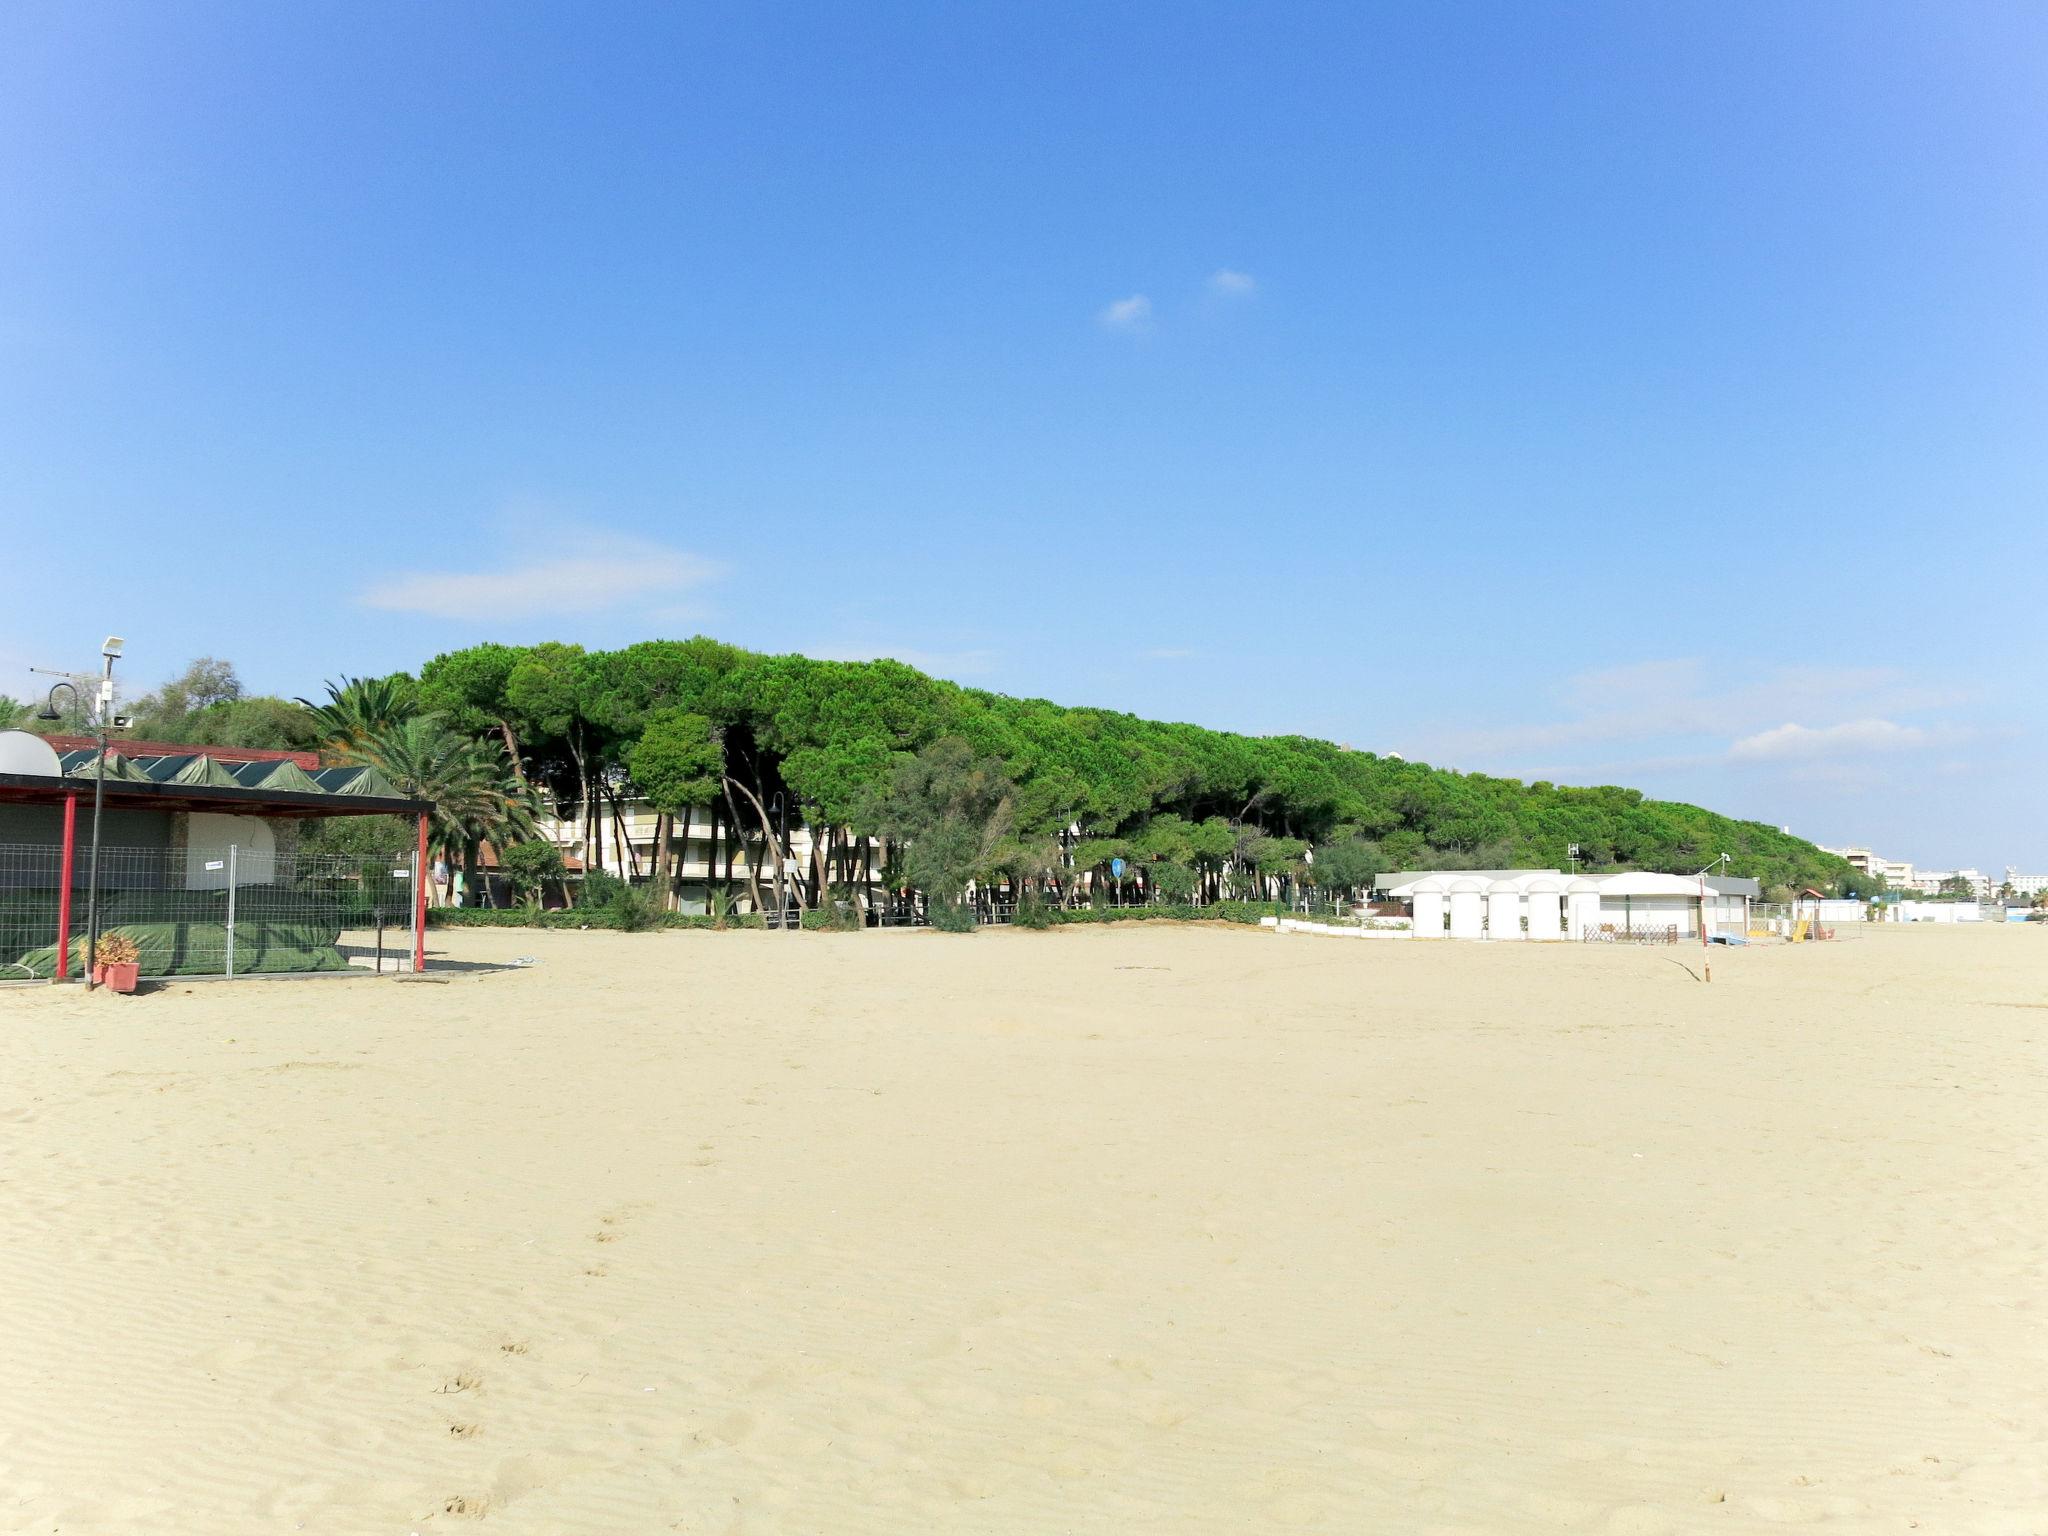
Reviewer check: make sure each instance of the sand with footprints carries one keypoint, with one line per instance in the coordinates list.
(1138, 1229)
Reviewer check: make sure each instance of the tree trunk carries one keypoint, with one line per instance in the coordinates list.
(781, 853)
(679, 865)
(629, 856)
(753, 871)
(583, 801)
(512, 750)
(657, 859)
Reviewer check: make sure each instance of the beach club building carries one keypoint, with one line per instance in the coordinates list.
(1547, 904)
(198, 862)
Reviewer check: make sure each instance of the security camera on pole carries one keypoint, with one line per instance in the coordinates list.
(103, 720)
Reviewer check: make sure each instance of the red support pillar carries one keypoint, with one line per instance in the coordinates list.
(64, 889)
(422, 873)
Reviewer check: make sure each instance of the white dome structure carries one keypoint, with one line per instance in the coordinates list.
(1544, 896)
(1581, 907)
(1467, 900)
(1504, 909)
(1428, 899)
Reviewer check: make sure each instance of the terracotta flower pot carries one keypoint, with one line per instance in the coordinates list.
(122, 978)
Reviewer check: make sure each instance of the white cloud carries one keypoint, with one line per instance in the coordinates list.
(1806, 743)
(1233, 285)
(1642, 707)
(591, 573)
(938, 663)
(1132, 314)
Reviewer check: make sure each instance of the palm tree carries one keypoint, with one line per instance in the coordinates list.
(360, 708)
(476, 796)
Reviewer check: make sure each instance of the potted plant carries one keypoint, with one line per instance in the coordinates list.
(120, 962)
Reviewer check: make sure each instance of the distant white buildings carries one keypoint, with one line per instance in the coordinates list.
(2025, 885)
(1896, 873)
(1900, 875)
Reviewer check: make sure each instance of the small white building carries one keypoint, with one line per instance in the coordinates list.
(1546, 904)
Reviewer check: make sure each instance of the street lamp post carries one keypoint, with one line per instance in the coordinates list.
(1706, 954)
(103, 718)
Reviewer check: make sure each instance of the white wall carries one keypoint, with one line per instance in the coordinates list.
(1468, 909)
(1726, 914)
(1504, 914)
(1641, 913)
(207, 839)
(1429, 914)
(1935, 912)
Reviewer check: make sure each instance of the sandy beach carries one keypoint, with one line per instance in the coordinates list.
(1122, 1230)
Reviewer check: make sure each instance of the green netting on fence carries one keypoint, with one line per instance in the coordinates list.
(183, 933)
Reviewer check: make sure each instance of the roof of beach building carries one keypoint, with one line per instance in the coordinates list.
(132, 748)
(1396, 885)
(1643, 882)
(173, 777)
(1631, 882)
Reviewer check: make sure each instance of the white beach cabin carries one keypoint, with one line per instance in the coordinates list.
(1428, 899)
(1467, 897)
(1544, 904)
(1504, 909)
(1544, 897)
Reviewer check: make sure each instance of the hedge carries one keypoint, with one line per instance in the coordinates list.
(576, 917)
(602, 917)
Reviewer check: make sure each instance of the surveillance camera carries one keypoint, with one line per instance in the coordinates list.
(113, 646)
(120, 722)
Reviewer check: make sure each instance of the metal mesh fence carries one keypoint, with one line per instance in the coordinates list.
(206, 912)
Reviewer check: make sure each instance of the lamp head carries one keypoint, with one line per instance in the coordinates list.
(112, 649)
(49, 711)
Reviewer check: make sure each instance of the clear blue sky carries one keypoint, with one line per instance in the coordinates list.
(1613, 393)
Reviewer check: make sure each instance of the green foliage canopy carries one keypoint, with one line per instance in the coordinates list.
(834, 734)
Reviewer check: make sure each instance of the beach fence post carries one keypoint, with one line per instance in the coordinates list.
(419, 901)
(1706, 953)
(63, 969)
(231, 912)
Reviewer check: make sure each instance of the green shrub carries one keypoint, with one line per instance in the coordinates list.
(633, 910)
(530, 867)
(950, 915)
(599, 887)
(1169, 912)
(833, 917)
(1034, 911)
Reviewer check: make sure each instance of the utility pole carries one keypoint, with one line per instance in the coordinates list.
(103, 721)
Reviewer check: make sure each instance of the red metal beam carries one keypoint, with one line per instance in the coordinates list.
(421, 873)
(127, 748)
(64, 889)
